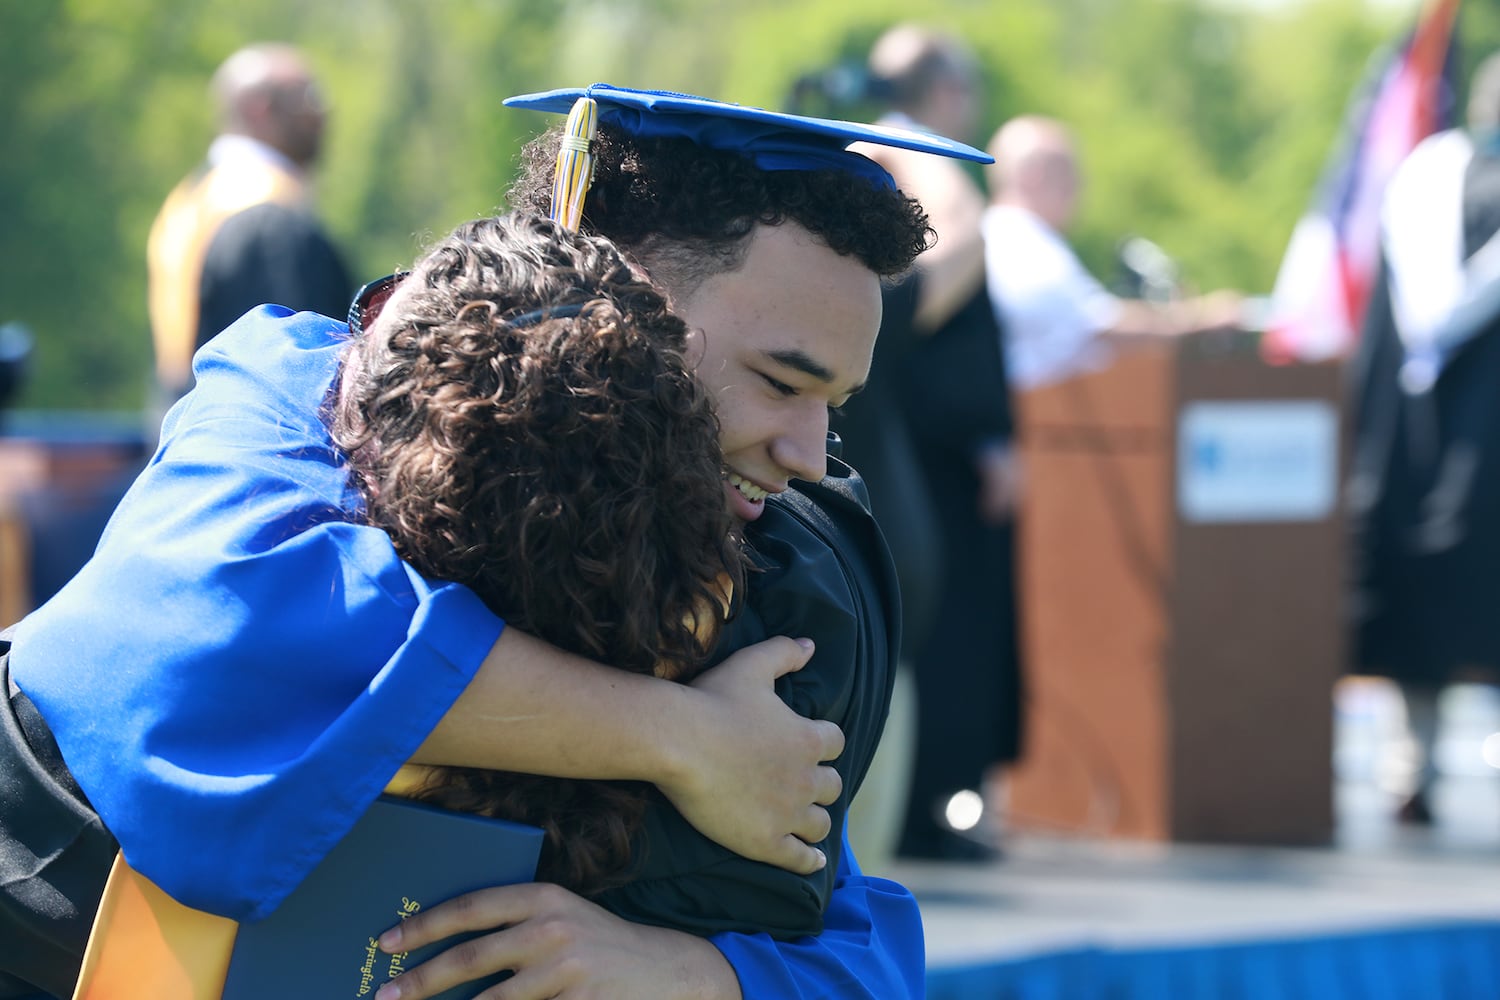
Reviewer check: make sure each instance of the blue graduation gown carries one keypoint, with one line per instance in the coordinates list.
(258, 666)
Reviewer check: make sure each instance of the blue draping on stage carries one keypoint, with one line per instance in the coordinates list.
(1447, 961)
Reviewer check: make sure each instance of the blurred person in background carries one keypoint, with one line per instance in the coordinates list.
(1059, 321)
(934, 444)
(240, 230)
(1425, 481)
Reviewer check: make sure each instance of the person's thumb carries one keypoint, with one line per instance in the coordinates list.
(790, 655)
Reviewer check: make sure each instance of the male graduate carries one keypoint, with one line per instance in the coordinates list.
(257, 663)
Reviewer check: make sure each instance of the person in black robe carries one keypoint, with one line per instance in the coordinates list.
(971, 692)
(942, 472)
(1425, 476)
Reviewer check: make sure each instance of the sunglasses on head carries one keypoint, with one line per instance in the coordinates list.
(370, 299)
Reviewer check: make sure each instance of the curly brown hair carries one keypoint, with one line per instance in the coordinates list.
(687, 211)
(564, 465)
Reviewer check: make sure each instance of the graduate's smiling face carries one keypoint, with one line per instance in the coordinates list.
(778, 341)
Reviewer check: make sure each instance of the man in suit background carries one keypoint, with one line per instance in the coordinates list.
(240, 230)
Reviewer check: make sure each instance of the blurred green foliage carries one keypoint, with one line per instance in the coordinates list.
(1202, 126)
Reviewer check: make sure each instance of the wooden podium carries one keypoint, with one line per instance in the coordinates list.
(1181, 571)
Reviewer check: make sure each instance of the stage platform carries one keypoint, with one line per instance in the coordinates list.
(1386, 911)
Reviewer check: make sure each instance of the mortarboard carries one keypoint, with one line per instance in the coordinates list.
(773, 139)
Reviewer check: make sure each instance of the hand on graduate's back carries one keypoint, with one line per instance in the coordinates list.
(740, 766)
(758, 781)
(558, 945)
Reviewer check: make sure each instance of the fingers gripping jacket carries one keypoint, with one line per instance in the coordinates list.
(575, 164)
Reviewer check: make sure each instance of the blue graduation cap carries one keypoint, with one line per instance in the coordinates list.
(773, 139)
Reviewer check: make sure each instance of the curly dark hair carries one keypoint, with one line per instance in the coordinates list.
(564, 465)
(687, 211)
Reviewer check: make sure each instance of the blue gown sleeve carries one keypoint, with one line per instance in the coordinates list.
(241, 667)
(871, 947)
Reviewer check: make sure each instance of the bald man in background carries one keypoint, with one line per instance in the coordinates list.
(240, 230)
(1059, 321)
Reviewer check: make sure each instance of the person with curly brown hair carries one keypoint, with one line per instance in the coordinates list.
(520, 419)
(300, 661)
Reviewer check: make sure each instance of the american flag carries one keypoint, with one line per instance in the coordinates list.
(1333, 257)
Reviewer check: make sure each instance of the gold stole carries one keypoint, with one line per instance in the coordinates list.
(179, 240)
